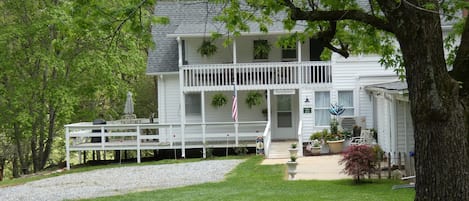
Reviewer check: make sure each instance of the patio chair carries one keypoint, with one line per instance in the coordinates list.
(409, 185)
(365, 138)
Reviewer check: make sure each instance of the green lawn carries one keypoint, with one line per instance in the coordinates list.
(251, 181)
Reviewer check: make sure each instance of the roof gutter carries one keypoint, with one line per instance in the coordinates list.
(201, 35)
(162, 73)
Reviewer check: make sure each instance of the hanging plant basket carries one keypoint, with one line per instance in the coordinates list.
(207, 48)
(261, 49)
(218, 100)
(254, 98)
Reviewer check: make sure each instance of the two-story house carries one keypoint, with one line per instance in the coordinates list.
(282, 93)
(295, 86)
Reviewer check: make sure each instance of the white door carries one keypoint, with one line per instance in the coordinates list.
(284, 116)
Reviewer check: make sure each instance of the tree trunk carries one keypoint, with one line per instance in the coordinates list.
(2, 168)
(19, 149)
(438, 115)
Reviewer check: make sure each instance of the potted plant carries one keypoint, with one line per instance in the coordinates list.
(292, 167)
(316, 140)
(218, 100)
(335, 139)
(264, 112)
(254, 98)
(261, 49)
(207, 48)
(293, 150)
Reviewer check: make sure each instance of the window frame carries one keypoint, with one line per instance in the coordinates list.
(290, 49)
(192, 99)
(316, 108)
(353, 101)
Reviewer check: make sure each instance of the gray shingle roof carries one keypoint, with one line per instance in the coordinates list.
(164, 57)
(187, 18)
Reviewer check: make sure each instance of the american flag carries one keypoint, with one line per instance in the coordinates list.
(234, 106)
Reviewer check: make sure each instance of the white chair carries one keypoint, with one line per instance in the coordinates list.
(365, 138)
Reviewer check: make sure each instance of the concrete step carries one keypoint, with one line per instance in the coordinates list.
(280, 149)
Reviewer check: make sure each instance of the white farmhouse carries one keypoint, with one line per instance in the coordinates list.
(293, 87)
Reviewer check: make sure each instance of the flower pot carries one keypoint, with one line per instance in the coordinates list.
(315, 150)
(293, 152)
(335, 146)
(292, 169)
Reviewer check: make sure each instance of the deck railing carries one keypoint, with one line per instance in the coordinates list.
(267, 139)
(153, 136)
(269, 73)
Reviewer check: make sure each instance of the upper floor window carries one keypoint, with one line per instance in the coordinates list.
(193, 104)
(261, 49)
(289, 53)
(346, 100)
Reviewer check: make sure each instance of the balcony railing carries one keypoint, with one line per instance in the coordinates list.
(274, 73)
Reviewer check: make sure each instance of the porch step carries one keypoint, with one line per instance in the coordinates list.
(280, 149)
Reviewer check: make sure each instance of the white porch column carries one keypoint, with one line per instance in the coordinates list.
(235, 58)
(300, 116)
(202, 100)
(179, 51)
(300, 68)
(269, 109)
(182, 104)
(298, 48)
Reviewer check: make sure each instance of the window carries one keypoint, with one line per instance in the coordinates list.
(289, 53)
(261, 49)
(322, 102)
(193, 104)
(284, 113)
(346, 100)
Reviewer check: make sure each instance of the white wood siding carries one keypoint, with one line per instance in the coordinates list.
(383, 119)
(410, 130)
(308, 118)
(401, 121)
(354, 73)
(168, 103)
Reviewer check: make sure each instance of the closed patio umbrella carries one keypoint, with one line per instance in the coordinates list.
(129, 104)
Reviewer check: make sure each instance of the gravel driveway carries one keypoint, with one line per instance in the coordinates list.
(122, 180)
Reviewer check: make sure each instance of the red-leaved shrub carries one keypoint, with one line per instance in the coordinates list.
(358, 160)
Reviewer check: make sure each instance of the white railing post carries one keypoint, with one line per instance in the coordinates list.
(138, 144)
(67, 146)
(171, 138)
(266, 136)
(236, 133)
(103, 139)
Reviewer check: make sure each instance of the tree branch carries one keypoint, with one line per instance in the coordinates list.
(121, 24)
(337, 15)
(326, 38)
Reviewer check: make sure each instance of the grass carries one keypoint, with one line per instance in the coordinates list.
(251, 181)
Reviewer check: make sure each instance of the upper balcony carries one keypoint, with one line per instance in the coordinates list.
(242, 63)
(272, 75)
